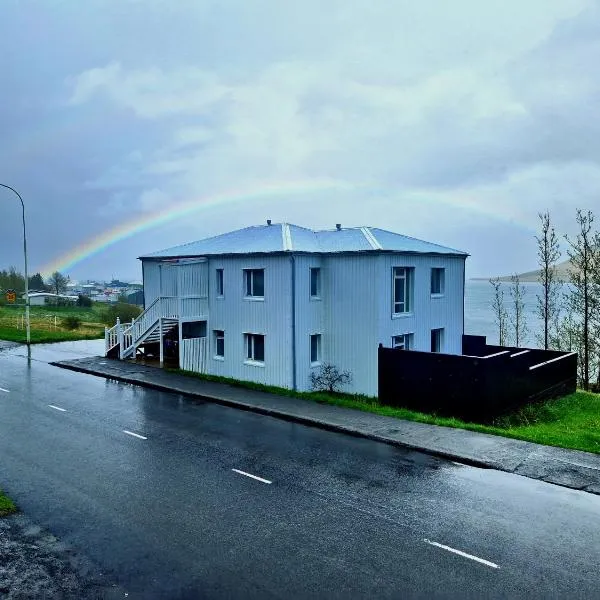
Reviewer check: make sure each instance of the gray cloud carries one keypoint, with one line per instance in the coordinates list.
(462, 115)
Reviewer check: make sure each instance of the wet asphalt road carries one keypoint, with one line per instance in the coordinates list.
(168, 517)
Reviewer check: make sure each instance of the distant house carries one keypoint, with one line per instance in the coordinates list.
(273, 303)
(46, 298)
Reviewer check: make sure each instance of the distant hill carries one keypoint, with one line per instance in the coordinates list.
(562, 274)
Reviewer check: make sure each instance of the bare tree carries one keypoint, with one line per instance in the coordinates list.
(519, 322)
(58, 282)
(500, 312)
(584, 297)
(329, 379)
(548, 255)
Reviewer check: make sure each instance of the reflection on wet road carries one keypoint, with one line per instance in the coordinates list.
(175, 498)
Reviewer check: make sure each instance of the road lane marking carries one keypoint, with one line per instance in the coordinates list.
(3, 390)
(252, 476)
(137, 435)
(57, 408)
(461, 553)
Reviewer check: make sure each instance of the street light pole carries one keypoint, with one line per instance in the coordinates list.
(25, 255)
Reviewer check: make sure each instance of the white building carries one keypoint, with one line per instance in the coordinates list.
(45, 298)
(272, 303)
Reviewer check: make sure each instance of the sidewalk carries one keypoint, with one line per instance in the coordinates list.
(568, 468)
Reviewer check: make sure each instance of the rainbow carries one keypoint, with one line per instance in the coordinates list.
(147, 221)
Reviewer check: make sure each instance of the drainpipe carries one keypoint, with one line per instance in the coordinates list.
(293, 265)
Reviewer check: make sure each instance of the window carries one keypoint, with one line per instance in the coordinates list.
(437, 339)
(219, 336)
(437, 281)
(220, 282)
(255, 347)
(315, 282)
(402, 289)
(403, 342)
(315, 348)
(193, 329)
(254, 283)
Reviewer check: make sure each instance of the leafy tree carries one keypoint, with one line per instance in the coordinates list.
(124, 311)
(584, 296)
(500, 312)
(36, 282)
(84, 301)
(11, 279)
(548, 255)
(329, 379)
(519, 322)
(58, 282)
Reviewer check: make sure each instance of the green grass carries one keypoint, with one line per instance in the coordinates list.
(47, 337)
(48, 325)
(570, 422)
(7, 506)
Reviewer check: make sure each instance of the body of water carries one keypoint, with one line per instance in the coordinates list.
(479, 315)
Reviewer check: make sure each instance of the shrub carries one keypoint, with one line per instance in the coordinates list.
(124, 311)
(71, 323)
(84, 301)
(329, 379)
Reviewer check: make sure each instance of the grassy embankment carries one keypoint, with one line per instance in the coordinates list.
(569, 422)
(47, 323)
(7, 506)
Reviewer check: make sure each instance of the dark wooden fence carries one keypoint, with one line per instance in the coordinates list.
(483, 383)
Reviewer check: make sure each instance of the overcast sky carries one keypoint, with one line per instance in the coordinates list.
(456, 122)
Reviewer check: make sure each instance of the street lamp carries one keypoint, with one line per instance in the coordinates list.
(25, 254)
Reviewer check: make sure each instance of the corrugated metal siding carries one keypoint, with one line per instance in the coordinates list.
(151, 274)
(168, 279)
(351, 332)
(428, 312)
(193, 279)
(236, 316)
(310, 318)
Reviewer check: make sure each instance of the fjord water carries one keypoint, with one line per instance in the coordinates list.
(479, 314)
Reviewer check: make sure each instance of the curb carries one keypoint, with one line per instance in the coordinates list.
(285, 416)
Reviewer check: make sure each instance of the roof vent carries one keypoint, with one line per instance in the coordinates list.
(338, 226)
(268, 221)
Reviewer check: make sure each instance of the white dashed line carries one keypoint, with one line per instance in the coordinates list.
(461, 553)
(57, 408)
(5, 391)
(251, 476)
(137, 435)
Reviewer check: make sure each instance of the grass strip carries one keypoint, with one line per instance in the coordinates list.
(570, 422)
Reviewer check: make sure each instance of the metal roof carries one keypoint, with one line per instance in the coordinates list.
(285, 237)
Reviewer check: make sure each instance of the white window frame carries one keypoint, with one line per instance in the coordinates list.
(218, 334)
(220, 283)
(441, 274)
(249, 349)
(319, 338)
(407, 274)
(249, 278)
(406, 343)
(316, 270)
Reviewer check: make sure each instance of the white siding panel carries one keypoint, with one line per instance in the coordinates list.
(310, 317)
(236, 315)
(168, 279)
(429, 312)
(151, 275)
(193, 279)
(351, 318)
(193, 355)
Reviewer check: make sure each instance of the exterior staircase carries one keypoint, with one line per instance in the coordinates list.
(158, 320)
